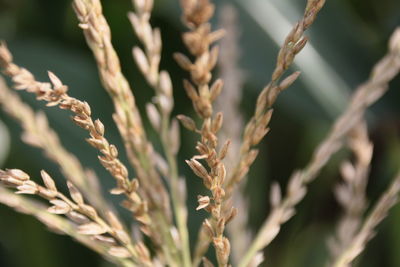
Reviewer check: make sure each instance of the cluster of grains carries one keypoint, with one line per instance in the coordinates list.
(198, 40)
(351, 193)
(127, 117)
(54, 222)
(257, 127)
(94, 224)
(38, 133)
(233, 76)
(55, 94)
(159, 113)
(367, 230)
(110, 231)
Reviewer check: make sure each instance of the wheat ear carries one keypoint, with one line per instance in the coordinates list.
(55, 94)
(38, 133)
(229, 104)
(367, 231)
(257, 127)
(198, 40)
(127, 117)
(351, 193)
(89, 222)
(159, 112)
(56, 223)
(365, 95)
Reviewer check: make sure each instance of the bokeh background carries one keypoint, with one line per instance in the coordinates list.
(348, 37)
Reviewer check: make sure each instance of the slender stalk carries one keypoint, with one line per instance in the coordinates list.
(387, 200)
(159, 114)
(365, 95)
(177, 203)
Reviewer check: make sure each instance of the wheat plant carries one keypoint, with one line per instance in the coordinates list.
(226, 148)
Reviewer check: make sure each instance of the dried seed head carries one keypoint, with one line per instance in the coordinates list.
(105, 239)
(232, 214)
(217, 122)
(88, 210)
(113, 151)
(91, 229)
(190, 90)
(224, 150)
(99, 126)
(203, 201)
(197, 12)
(288, 81)
(54, 80)
(153, 115)
(394, 43)
(221, 172)
(75, 194)
(223, 248)
(60, 207)
(48, 181)
(119, 252)
(187, 122)
(28, 187)
(165, 83)
(183, 61)
(17, 174)
(141, 59)
(216, 89)
(77, 217)
(198, 168)
(208, 228)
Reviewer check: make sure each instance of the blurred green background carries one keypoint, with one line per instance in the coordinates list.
(348, 37)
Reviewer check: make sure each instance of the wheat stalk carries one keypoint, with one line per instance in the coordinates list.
(257, 127)
(159, 112)
(127, 117)
(367, 231)
(55, 223)
(365, 95)
(89, 222)
(229, 104)
(84, 214)
(38, 133)
(198, 41)
(351, 193)
(56, 95)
